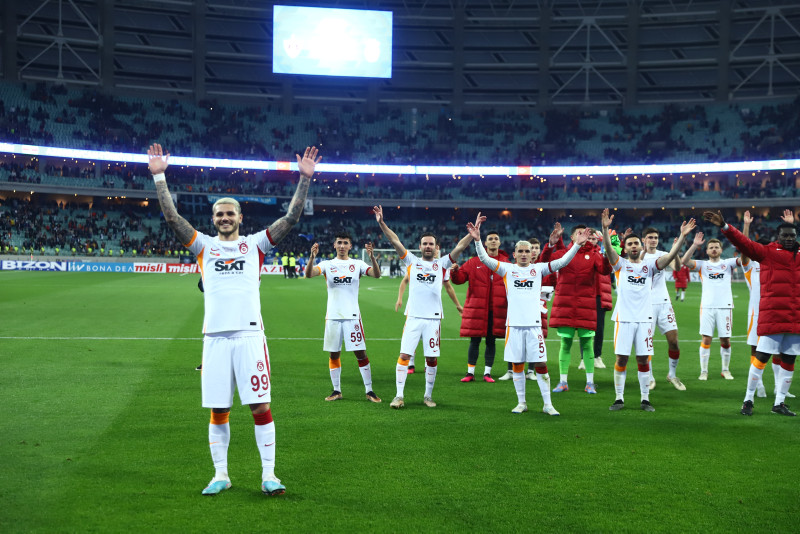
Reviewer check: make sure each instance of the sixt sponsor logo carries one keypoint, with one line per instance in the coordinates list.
(716, 276)
(426, 278)
(228, 265)
(527, 284)
(638, 280)
(342, 279)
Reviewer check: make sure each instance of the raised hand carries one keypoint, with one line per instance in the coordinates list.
(474, 231)
(582, 236)
(480, 219)
(747, 218)
(688, 226)
(158, 161)
(714, 218)
(314, 250)
(699, 239)
(788, 216)
(626, 233)
(369, 248)
(378, 211)
(606, 219)
(556, 233)
(308, 162)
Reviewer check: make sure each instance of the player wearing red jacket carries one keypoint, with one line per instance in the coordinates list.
(484, 314)
(779, 307)
(574, 305)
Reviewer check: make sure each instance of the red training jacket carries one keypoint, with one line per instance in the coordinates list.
(779, 307)
(485, 289)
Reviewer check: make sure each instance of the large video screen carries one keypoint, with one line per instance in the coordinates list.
(332, 42)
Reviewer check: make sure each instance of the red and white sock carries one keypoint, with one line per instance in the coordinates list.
(430, 377)
(401, 374)
(265, 439)
(366, 374)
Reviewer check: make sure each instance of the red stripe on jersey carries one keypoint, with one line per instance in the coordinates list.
(266, 356)
(271, 242)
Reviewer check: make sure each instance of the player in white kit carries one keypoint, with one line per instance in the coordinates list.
(343, 317)
(448, 287)
(633, 310)
(663, 314)
(234, 347)
(524, 339)
(424, 308)
(716, 301)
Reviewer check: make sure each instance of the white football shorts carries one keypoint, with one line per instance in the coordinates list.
(240, 360)
(788, 344)
(416, 329)
(720, 319)
(664, 318)
(638, 335)
(752, 327)
(524, 344)
(349, 330)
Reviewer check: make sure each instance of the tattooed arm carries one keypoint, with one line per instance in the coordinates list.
(306, 165)
(158, 163)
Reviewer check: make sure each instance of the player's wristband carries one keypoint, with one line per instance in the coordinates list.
(724, 228)
(160, 177)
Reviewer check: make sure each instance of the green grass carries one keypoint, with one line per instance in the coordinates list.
(103, 428)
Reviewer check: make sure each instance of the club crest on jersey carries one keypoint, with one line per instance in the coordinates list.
(243, 248)
(533, 272)
(260, 366)
(644, 269)
(435, 266)
(356, 328)
(352, 268)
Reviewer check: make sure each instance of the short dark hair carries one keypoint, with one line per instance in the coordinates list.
(631, 236)
(577, 227)
(534, 241)
(650, 230)
(342, 234)
(786, 225)
(492, 232)
(429, 234)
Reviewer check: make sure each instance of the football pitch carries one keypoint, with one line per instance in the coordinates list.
(103, 428)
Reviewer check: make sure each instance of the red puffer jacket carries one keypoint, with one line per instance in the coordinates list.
(779, 307)
(681, 277)
(574, 303)
(604, 289)
(484, 288)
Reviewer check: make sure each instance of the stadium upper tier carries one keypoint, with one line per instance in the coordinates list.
(51, 115)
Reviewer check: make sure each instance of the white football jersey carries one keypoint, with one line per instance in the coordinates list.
(716, 278)
(425, 285)
(752, 275)
(634, 291)
(524, 292)
(342, 278)
(660, 292)
(231, 272)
